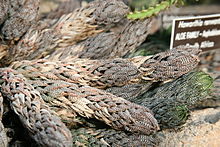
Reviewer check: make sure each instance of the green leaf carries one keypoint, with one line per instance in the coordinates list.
(153, 10)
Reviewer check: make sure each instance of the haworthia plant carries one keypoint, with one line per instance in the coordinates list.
(153, 10)
(171, 101)
(105, 137)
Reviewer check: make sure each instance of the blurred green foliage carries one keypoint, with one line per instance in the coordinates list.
(143, 4)
(196, 2)
(147, 12)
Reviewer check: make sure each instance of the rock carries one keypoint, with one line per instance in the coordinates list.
(201, 130)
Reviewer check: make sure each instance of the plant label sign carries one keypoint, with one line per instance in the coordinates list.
(196, 32)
